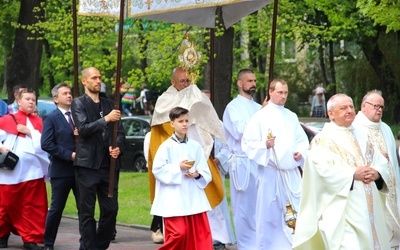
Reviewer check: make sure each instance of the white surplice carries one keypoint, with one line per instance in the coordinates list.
(276, 187)
(33, 161)
(336, 211)
(175, 194)
(382, 136)
(219, 217)
(242, 171)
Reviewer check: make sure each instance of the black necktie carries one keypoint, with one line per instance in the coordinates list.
(71, 123)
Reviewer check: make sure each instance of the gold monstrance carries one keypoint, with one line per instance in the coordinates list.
(189, 57)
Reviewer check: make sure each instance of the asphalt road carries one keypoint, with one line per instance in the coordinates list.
(129, 237)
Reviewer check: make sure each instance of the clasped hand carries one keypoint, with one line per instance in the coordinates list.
(366, 174)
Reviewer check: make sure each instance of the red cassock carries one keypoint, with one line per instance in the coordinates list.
(23, 206)
(191, 232)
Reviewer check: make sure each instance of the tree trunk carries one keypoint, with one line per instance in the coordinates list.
(24, 66)
(223, 46)
(387, 79)
(47, 51)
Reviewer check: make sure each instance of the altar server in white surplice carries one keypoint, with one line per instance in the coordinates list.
(342, 204)
(369, 120)
(242, 171)
(275, 140)
(179, 195)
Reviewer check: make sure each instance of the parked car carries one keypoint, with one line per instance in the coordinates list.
(136, 127)
(45, 107)
(309, 132)
(312, 128)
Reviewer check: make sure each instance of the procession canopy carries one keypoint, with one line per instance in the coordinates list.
(194, 12)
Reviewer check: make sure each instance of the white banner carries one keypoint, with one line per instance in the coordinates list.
(99, 7)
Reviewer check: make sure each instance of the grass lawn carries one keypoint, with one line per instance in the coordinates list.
(133, 198)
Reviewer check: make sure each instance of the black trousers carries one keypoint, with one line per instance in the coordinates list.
(60, 188)
(92, 184)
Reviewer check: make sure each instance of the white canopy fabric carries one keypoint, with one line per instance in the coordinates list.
(192, 12)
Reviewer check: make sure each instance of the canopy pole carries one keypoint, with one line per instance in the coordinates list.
(113, 161)
(212, 90)
(272, 52)
(75, 47)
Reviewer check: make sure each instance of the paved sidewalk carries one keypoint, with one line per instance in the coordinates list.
(130, 237)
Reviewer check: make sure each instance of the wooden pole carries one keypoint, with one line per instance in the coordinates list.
(113, 161)
(75, 47)
(212, 87)
(272, 52)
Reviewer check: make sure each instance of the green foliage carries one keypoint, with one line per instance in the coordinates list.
(385, 13)
(8, 16)
(150, 49)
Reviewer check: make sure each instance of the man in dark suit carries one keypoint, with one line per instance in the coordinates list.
(94, 117)
(58, 140)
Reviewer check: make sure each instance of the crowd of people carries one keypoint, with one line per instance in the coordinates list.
(341, 191)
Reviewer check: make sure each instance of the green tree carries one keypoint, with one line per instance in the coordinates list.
(24, 64)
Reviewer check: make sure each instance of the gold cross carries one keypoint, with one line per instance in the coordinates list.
(148, 2)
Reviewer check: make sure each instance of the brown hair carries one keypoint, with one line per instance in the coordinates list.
(177, 112)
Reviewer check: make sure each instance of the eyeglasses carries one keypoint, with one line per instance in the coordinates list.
(376, 106)
(184, 81)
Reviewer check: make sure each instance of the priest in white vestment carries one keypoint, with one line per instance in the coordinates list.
(369, 120)
(342, 204)
(275, 140)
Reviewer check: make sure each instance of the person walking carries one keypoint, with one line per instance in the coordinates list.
(318, 104)
(58, 139)
(180, 198)
(242, 171)
(23, 198)
(94, 118)
(203, 127)
(369, 120)
(145, 103)
(128, 98)
(277, 143)
(342, 204)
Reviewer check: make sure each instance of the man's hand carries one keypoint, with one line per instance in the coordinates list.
(114, 152)
(192, 175)
(366, 174)
(297, 156)
(185, 166)
(24, 130)
(4, 150)
(216, 161)
(270, 142)
(73, 156)
(113, 116)
(265, 102)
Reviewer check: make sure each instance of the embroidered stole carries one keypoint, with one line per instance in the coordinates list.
(355, 158)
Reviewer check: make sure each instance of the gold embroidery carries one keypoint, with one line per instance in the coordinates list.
(355, 160)
(378, 138)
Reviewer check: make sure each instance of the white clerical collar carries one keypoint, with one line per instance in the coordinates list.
(179, 140)
(273, 105)
(244, 99)
(366, 122)
(337, 127)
